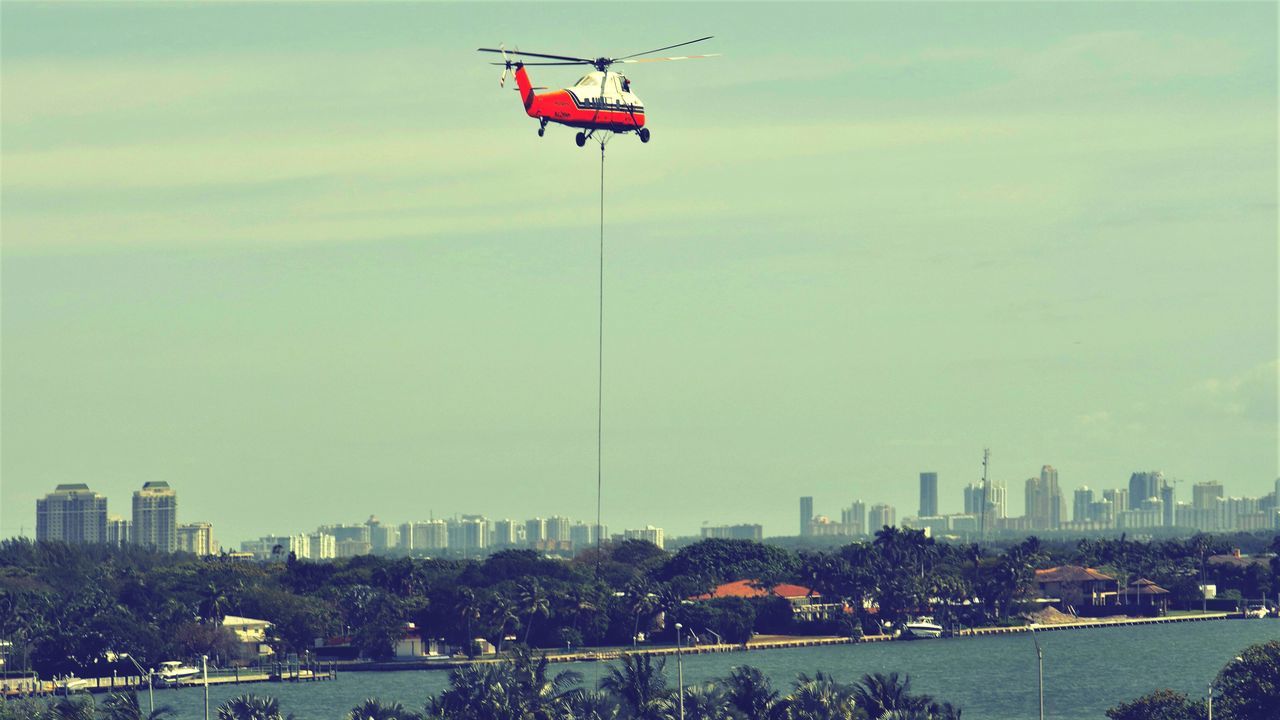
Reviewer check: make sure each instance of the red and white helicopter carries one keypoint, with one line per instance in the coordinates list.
(601, 101)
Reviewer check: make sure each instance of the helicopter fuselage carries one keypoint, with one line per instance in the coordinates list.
(599, 101)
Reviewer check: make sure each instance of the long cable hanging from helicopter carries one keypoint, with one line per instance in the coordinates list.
(617, 110)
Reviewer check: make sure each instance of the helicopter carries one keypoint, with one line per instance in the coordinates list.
(601, 101)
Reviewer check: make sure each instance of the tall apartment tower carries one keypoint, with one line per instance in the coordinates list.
(155, 517)
(806, 515)
(1170, 502)
(855, 518)
(535, 531)
(119, 531)
(1205, 495)
(928, 494)
(196, 538)
(1119, 498)
(1144, 485)
(1082, 509)
(881, 515)
(72, 513)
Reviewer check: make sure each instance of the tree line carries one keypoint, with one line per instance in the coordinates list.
(70, 608)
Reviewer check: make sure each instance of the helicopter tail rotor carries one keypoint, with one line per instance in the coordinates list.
(506, 65)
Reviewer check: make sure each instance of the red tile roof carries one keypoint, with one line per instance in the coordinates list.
(1070, 573)
(746, 589)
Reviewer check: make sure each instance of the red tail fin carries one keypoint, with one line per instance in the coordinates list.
(526, 90)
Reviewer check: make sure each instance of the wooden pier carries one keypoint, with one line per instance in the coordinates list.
(120, 683)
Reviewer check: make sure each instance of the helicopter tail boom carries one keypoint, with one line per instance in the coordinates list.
(527, 95)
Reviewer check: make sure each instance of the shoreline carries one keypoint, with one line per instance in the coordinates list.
(773, 642)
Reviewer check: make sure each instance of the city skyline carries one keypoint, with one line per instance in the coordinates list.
(294, 259)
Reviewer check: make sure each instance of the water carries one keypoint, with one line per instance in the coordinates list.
(991, 678)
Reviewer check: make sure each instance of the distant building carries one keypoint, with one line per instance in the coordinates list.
(382, 538)
(648, 533)
(1144, 485)
(1044, 500)
(855, 518)
(277, 548)
(1119, 499)
(1082, 510)
(806, 514)
(347, 532)
(321, 546)
(535, 531)
(196, 538)
(734, 532)
(155, 517)
(504, 534)
(1168, 503)
(430, 535)
(881, 515)
(928, 494)
(1076, 586)
(1206, 495)
(251, 634)
(119, 531)
(353, 548)
(806, 604)
(72, 513)
(558, 529)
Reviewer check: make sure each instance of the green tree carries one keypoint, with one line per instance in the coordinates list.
(125, 706)
(1248, 688)
(250, 707)
(372, 709)
(639, 684)
(750, 691)
(1159, 705)
(533, 602)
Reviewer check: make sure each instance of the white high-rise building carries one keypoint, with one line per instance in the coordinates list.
(648, 533)
(155, 517)
(72, 513)
(196, 538)
(322, 546)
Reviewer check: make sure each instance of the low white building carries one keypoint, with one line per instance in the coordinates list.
(251, 633)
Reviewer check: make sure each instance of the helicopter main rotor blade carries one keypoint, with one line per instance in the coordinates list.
(684, 57)
(539, 55)
(575, 62)
(650, 52)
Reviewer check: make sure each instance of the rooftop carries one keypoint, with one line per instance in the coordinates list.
(1070, 573)
(748, 589)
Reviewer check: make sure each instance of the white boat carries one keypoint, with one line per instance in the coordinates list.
(173, 672)
(71, 683)
(923, 627)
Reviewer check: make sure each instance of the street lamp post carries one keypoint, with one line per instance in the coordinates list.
(680, 669)
(204, 670)
(151, 694)
(1039, 669)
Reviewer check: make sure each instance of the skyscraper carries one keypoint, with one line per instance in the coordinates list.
(928, 494)
(855, 518)
(881, 515)
(806, 514)
(1205, 495)
(1082, 510)
(1170, 502)
(558, 529)
(119, 531)
(535, 531)
(1044, 500)
(1119, 498)
(155, 517)
(72, 513)
(1144, 485)
(196, 538)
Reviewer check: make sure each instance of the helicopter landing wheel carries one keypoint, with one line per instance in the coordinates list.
(581, 139)
(644, 135)
(542, 131)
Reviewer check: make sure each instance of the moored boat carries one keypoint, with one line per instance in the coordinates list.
(923, 627)
(174, 672)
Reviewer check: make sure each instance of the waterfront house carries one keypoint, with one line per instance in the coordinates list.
(806, 604)
(1144, 592)
(1077, 587)
(251, 633)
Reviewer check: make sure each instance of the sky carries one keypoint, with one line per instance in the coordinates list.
(309, 263)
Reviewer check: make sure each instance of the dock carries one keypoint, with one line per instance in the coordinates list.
(121, 683)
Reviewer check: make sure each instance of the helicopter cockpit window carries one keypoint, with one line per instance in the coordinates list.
(588, 81)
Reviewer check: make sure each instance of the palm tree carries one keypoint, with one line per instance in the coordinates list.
(586, 705)
(213, 603)
(503, 613)
(476, 692)
(250, 707)
(818, 698)
(468, 611)
(533, 602)
(125, 706)
(641, 602)
(372, 709)
(541, 697)
(879, 695)
(750, 691)
(707, 701)
(639, 684)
